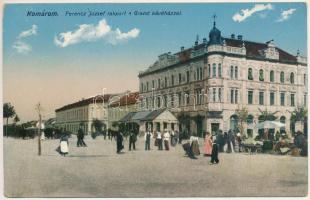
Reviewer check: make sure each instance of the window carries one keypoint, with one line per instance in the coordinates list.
(236, 96)
(198, 96)
(172, 80)
(209, 71)
(158, 102)
(231, 72)
(282, 77)
(179, 98)
(271, 76)
(292, 99)
(271, 98)
(158, 81)
(147, 86)
(305, 79)
(166, 84)
(261, 98)
(282, 99)
(236, 72)
(250, 97)
(214, 70)
(220, 70)
(231, 96)
(292, 78)
(180, 78)
(261, 75)
(141, 87)
(201, 73)
(250, 74)
(220, 95)
(186, 96)
(187, 76)
(165, 101)
(214, 94)
(153, 84)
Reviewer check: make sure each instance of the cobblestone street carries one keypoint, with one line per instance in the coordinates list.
(97, 171)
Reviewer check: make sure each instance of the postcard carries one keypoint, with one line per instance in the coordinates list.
(155, 100)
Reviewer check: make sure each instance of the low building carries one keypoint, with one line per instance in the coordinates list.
(154, 120)
(70, 116)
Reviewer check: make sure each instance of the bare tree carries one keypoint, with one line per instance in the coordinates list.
(39, 109)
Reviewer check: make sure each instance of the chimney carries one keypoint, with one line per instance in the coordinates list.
(182, 48)
(239, 37)
(232, 36)
(204, 40)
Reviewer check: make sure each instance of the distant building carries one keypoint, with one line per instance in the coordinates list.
(70, 116)
(121, 105)
(212, 79)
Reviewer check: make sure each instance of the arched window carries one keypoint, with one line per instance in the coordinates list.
(250, 74)
(292, 78)
(236, 72)
(271, 76)
(282, 77)
(282, 120)
(231, 72)
(261, 75)
(220, 70)
(214, 70)
(234, 122)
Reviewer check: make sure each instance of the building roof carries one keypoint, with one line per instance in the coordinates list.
(85, 102)
(127, 99)
(148, 115)
(253, 49)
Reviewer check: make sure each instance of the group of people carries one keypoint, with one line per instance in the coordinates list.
(161, 140)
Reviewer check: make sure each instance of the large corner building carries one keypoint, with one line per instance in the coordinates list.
(209, 81)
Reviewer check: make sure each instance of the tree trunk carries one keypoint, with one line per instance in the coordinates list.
(6, 127)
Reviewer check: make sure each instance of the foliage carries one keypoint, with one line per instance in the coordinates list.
(8, 112)
(97, 124)
(299, 114)
(265, 115)
(16, 119)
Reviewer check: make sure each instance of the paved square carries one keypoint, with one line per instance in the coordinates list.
(97, 171)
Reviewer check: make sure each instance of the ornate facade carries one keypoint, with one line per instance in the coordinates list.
(209, 81)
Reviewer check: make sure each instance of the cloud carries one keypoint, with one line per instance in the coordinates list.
(19, 45)
(30, 32)
(245, 13)
(91, 32)
(285, 15)
(22, 47)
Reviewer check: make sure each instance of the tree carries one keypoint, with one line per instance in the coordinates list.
(242, 114)
(97, 124)
(39, 109)
(266, 115)
(16, 119)
(299, 115)
(8, 112)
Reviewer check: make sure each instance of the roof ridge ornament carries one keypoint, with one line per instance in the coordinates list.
(214, 17)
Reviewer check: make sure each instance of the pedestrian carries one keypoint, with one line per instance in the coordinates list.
(208, 144)
(214, 154)
(132, 140)
(119, 142)
(195, 145)
(188, 150)
(159, 140)
(166, 139)
(239, 141)
(147, 138)
(230, 142)
(81, 135)
(64, 144)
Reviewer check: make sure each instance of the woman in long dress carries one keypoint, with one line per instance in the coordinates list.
(64, 145)
(208, 144)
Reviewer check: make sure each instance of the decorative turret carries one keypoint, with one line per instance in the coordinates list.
(215, 34)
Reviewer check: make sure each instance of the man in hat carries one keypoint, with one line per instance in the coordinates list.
(147, 138)
(166, 139)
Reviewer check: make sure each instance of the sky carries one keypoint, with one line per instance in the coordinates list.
(61, 59)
